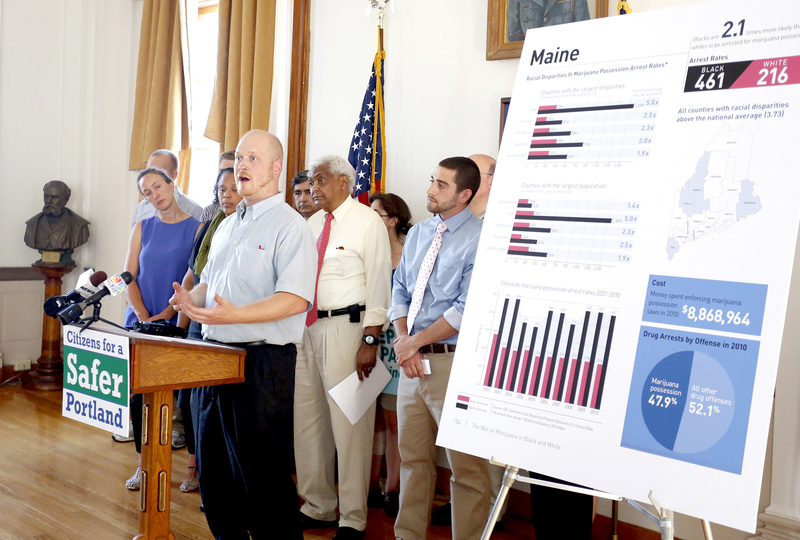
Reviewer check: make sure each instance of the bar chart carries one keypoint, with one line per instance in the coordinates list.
(573, 231)
(561, 355)
(594, 132)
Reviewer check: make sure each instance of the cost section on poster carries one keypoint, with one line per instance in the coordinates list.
(704, 303)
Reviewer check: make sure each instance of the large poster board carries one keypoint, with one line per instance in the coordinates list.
(628, 300)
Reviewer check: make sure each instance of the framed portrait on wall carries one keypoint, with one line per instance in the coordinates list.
(505, 104)
(508, 20)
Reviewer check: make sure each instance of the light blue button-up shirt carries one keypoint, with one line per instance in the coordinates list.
(446, 292)
(258, 251)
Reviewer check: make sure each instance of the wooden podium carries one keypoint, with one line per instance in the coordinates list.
(158, 366)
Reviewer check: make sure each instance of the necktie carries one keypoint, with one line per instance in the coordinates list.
(322, 245)
(424, 274)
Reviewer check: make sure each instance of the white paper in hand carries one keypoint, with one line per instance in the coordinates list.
(354, 397)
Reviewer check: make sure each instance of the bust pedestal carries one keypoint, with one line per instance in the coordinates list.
(50, 370)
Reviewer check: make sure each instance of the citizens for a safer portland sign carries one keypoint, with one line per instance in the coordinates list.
(96, 379)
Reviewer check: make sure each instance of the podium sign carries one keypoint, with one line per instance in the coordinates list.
(158, 365)
(96, 381)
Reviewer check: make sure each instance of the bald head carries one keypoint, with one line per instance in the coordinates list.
(270, 144)
(165, 160)
(259, 162)
(486, 164)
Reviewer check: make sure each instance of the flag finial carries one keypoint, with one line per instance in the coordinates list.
(380, 6)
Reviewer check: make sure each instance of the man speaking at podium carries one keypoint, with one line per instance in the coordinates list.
(253, 293)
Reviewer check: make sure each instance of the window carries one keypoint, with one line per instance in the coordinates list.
(205, 152)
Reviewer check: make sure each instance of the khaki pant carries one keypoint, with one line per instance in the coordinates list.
(326, 356)
(419, 411)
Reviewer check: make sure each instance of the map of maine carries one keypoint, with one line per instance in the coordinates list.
(718, 194)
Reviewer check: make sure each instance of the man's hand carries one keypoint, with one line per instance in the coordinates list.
(223, 313)
(405, 348)
(181, 298)
(365, 360)
(412, 367)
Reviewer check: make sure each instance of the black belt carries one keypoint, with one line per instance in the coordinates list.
(248, 344)
(244, 344)
(353, 311)
(437, 348)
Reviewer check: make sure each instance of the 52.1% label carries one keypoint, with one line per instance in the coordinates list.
(702, 409)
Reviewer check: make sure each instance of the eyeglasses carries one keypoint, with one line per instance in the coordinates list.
(488, 173)
(383, 215)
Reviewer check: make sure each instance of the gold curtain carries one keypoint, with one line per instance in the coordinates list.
(162, 102)
(243, 88)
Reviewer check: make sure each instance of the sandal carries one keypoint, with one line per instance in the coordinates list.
(192, 484)
(134, 483)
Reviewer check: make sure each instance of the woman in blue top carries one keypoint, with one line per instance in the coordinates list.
(158, 250)
(157, 254)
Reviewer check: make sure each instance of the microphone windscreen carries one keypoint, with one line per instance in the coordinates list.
(127, 277)
(98, 278)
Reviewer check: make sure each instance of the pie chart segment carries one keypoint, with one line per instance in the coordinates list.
(711, 406)
(664, 397)
(688, 402)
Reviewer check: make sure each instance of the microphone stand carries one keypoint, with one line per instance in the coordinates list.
(96, 317)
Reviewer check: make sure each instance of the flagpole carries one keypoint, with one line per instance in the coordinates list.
(380, 5)
(368, 144)
(378, 127)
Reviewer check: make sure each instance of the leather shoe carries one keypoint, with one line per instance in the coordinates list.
(307, 522)
(349, 533)
(375, 498)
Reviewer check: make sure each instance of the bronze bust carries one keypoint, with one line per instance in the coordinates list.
(56, 231)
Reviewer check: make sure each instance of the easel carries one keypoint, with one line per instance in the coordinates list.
(663, 518)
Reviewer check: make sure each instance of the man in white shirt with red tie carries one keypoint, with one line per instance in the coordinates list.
(341, 336)
(428, 297)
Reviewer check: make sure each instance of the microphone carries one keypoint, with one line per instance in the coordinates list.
(86, 287)
(111, 286)
(89, 281)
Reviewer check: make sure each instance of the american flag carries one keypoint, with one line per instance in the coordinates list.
(368, 143)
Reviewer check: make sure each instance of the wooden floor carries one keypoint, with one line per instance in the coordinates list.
(60, 479)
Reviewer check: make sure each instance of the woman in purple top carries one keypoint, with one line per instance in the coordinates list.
(157, 254)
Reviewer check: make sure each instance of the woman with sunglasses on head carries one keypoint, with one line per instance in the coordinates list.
(397, 218)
